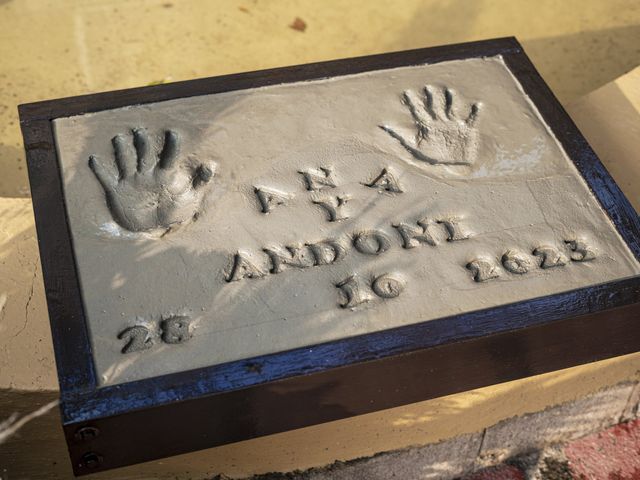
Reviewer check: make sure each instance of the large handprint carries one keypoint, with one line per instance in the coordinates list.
(151, 190)
(442, 136)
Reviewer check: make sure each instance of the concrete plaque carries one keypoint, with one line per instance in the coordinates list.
(237, 256)
(221, 227)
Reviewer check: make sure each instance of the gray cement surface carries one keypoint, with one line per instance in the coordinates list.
(226, 226)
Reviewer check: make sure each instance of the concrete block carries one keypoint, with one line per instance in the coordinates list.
(633, 405)
(518, 435)
(443, 460)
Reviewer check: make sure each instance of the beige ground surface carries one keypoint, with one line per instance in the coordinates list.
(57, 48)
(61, 48)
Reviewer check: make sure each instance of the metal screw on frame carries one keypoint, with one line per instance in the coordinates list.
(84, 434)
(91, 460)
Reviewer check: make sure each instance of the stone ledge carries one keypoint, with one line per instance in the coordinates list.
(516, 448)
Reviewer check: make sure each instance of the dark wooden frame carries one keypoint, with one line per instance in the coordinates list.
(119, 425)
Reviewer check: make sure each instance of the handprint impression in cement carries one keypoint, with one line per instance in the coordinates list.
(150, 189)
(445, 135)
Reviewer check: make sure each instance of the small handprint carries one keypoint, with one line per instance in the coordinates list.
(151, 190)
(443, 137)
